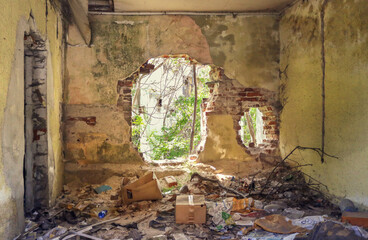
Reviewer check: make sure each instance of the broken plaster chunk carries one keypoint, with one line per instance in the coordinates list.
(159, 237)
(171, 181)
(179, 236)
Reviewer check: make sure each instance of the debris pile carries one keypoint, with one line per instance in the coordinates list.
(273, 204)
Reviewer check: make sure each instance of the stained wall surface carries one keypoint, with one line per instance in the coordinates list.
(247, 47)
(19, 17)
(346, 91)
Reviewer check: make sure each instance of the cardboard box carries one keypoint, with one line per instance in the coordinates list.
(190, 209)
(355, 218)
(145, 188)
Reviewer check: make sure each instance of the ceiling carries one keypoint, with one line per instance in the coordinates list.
(201, 5)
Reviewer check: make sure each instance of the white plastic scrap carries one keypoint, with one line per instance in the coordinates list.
(308, 222)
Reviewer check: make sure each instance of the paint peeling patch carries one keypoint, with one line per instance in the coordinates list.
(89, 120)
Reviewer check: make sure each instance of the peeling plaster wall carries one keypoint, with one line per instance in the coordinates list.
(346, 90)
(15, 21)
(246, 46)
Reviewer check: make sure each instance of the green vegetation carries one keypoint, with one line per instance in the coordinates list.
(246, 137)
(173, 139)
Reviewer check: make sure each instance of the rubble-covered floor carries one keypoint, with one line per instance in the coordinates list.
(262, 206)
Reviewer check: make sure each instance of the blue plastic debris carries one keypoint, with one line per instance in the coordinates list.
(102, 188)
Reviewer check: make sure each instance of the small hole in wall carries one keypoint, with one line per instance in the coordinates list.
(251, 128)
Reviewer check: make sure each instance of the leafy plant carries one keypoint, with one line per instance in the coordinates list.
(173, 139)
(246, 137)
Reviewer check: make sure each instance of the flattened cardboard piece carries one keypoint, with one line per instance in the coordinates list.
(190, 209)
(145, 188)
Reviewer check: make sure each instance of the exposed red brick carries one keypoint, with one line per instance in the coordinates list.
(249, 89)
(125, 83)
(254, 94)
(36, 135)
(127, 90)
(251, 99)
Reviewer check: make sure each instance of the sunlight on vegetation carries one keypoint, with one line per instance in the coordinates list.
(252, 131)
(163, 106)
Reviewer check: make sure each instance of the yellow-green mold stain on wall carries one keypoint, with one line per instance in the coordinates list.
(19, 17)
(346, 90)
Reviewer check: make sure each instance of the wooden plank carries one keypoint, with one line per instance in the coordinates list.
(355, 218)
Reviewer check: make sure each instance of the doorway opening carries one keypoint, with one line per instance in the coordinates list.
(166, 100)
(35, 167)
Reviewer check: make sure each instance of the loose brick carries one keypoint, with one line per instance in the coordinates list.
(171, 181)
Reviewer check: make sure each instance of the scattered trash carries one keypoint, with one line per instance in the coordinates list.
(308, 222)
(179, 236)
(293, 213)
(273, 204)
(278, 224)
(159, 237)
(55, 232)
(331, 230)
(274, 208)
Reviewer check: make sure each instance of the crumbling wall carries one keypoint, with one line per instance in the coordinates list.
(222, 112)
(336, 58)
(20, 17)
(121, 44)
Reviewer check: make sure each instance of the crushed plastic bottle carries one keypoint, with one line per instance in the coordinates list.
(102, 214)
(347, 205)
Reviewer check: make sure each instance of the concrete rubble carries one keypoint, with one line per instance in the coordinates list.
(275, 204)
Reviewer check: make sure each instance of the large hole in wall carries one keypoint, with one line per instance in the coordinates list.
(35, 124)
(150, 96)
(163, 106)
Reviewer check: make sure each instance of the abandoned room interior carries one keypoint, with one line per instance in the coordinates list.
(239, 119)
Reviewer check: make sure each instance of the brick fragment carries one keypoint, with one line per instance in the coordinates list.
(171, 181)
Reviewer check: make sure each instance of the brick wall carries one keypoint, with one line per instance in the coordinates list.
(229, 97)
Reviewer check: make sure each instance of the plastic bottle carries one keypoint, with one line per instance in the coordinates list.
(98, 212)
(102, 214)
